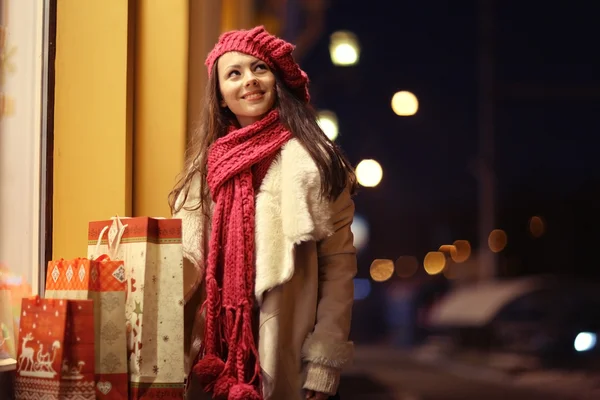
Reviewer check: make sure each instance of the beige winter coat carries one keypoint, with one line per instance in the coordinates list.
(305, 264)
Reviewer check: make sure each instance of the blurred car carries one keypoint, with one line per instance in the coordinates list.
(543, 322)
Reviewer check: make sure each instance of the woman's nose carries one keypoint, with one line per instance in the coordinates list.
(252, 81)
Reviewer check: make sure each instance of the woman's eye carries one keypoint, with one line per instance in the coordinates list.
(233, 73)
(262, 67)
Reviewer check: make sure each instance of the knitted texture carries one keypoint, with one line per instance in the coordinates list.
(276, 52)
(237, 163)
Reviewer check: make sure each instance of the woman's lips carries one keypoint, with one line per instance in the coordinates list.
(253, 96)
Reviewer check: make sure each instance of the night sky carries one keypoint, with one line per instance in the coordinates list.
(546, 106)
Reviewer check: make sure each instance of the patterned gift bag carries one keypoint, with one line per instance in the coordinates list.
(151, 249)
(102, 281)
(78, 363)
(55, 358)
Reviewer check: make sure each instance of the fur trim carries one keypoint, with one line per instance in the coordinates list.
(289, 210)
(326, 351)
(192, 228)
(305, 213)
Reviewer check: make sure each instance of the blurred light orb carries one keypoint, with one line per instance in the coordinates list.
(328, 122)
(405, 103)
(434, 262)
(463, 251)
(406, 266)
(585, 341)
(362, 288)
(369, 173)
(448, 249)
(360, 230)
(497, 240)
(344, 48)
(382, 270)
(536, 226)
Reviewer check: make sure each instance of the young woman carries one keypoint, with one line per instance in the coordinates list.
(265, 200)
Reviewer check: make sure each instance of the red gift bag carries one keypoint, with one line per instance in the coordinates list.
(55, 358)
(78, 364)
(103, 281)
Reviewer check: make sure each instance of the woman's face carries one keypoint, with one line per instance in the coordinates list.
(247, 86)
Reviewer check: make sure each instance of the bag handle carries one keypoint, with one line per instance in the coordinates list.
(115, 233)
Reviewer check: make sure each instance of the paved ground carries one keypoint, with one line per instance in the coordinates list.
(381, 373)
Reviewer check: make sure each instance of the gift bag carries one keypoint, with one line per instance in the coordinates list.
(77, 380)
(102, 281)
(152, 252)
(55, 355)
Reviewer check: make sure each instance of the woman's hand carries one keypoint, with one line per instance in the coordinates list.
(312, 395)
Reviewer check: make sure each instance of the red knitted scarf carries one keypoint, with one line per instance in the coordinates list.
(229, 364)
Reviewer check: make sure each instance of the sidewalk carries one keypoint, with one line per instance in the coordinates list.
(397, 374)
(512, 370)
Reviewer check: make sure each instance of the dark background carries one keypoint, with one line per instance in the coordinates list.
(546, 98)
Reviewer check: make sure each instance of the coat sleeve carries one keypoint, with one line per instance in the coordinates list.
(327, 350)
(193, 239)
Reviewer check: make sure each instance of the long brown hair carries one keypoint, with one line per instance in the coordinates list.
(299, 117)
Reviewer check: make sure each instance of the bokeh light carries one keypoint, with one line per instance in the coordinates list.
(434, 262)
(344, 48)
(537, 227)
(406, 266)
(405, 103)
(328, 122)
(463, 251)
(362, 288)
(360, 230)
(497, 240)
(382, 270)
(448, 249)
(369, 173)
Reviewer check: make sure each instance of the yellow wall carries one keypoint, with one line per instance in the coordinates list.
(237, 14)
(92, 126)
(161, 102)
(127, 90)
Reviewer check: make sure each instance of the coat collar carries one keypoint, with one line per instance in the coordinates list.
(289, 210)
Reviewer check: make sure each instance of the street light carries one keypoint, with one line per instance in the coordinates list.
(328, 122)
(405, 103)
(369, 173)
(344, 48)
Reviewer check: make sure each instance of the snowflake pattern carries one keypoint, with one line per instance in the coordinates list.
(111, 363)
(110, 332)
(166, 338)
(155, 369)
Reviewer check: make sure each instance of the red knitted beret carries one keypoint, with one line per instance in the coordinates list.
(276, 52)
